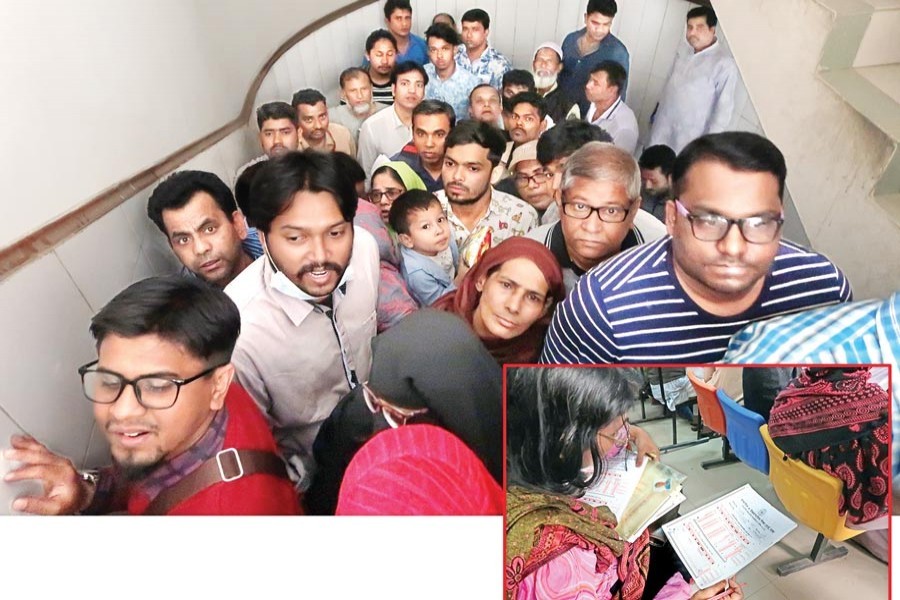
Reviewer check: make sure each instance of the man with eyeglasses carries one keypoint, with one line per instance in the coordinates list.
(723, 265)
(528, 179)
(600, 212)
(184, 438)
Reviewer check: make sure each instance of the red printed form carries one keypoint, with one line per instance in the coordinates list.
(719, 539)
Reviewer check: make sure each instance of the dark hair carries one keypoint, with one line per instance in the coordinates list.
(179, 188)
(476, 14)
(434, 107)
(739, 150)
(352, 73)
(181, 310)
(704, 11)
(448, 15)
(607, 8)
(349, 167)
(376, 36)
(242, 187)
(442, 31)
(659, 156)
(279, 180)
(308, 96)
(532, 98)
(405, 67)
(407, 202)
(470, 131)
(275, 110)
(391, 5)
(553, 416)
(615, 73)
(391, 172)
(565, 138)
(483, 85)
(519, 77)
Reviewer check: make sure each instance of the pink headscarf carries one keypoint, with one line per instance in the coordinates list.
(418, 470)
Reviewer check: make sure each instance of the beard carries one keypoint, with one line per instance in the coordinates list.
(542, 82)
(467, 198)
(360, 110)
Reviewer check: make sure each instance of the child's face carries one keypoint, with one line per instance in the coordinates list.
(429, 232)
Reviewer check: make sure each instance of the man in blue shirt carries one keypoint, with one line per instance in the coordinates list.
(398, 16)
(447, 81)
(475, 54)
(586, 48)
(723, 265)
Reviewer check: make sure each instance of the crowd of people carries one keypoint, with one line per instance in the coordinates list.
(348, 301)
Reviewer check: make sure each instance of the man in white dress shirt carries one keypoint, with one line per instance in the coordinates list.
(387, 131)
(699, 94)
(607, 109)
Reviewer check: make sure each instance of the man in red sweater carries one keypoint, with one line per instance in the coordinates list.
(184, 438)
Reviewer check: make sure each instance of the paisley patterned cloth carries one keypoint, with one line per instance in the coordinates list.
(837, 420)
(542, 528)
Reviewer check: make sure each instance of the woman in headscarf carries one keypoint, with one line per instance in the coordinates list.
(508, 298)
(562, 424)
(418, 470)
(836, 419)
(389, 180)
(429, 368)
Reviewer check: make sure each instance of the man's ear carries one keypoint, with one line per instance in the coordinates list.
(670, 216)
(222, 378)
(240, 223)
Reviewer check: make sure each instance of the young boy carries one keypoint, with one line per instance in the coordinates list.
(429, 251)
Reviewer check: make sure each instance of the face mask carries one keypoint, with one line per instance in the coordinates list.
(615, 449)
(287, 287)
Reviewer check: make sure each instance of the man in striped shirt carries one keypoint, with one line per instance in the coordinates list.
(722, 266)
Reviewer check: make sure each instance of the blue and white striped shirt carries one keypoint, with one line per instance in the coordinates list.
(632, 308)
(858, 332)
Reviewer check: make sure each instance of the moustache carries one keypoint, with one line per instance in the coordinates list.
(328, 266)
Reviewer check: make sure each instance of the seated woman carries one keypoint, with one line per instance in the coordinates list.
(562, 423)
(508, 298)
(836, 419)
(389, 180)
(429, 368)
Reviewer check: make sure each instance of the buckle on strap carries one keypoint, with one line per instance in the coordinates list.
(236, 464)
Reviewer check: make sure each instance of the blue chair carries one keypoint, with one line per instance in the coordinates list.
(742, 429)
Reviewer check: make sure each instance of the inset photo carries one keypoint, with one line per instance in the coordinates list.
(697, 482)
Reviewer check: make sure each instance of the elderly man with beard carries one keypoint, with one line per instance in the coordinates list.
(308, 307)
(546, 66)
(357, 104)
(471, 151)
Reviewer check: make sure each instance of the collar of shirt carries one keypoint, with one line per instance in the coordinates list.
(487, 56)
(395, 118)
(173, 471)
(296, 309)
(607, 114)
(557, 246)
(448, 208)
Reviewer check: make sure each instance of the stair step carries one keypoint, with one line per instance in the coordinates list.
(862, 89)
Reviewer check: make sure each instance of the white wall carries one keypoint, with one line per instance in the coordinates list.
(97, 90)
(834, 155)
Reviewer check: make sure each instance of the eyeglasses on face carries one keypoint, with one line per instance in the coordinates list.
(707, 227)
(392, 412)
(608, 214)
(104, 387)
(538, 178)
(391, 194)
(623, 435)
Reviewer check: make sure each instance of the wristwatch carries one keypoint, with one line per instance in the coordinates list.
(91, 477)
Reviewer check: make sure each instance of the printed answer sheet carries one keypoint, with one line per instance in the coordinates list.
(719, 539)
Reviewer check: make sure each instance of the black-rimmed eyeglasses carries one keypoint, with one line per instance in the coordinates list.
(607, 214)
(539, 178)
(152, 391)
(707, 227)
